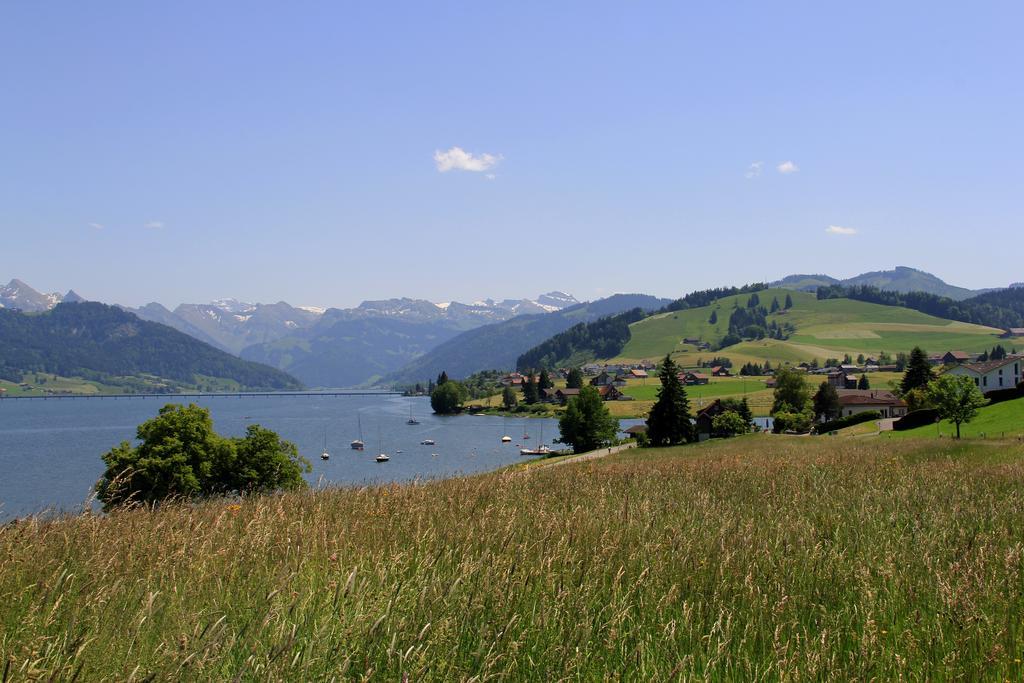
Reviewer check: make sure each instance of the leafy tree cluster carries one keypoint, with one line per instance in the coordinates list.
(736, 419)
(602, 338)
(792, 407)
(750, 369)
(482, 384)
(181, 456)
(447, 397)
(586, 423)
(998, 352)
(1003, 308)
(717, 360)
(97, 341)
(752, 323)
(574, 380)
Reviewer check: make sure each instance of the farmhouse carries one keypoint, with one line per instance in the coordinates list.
(949, 358)
(563, 395)
(609, 393)
(602, 380)
(1013, 332)
(853, 401)
(637, 373)
(692, 378)
(720, 371)
(705, 417)
(993, 374)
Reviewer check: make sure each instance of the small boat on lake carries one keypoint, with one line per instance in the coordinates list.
(358, 445)
(325, 455)
(541, 449)
(381, 455)
(427, 442)
(412, 420)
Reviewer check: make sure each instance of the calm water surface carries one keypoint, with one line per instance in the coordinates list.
(50, 450)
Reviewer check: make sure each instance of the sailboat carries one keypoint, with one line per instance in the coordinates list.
(541, 449)
(506, 438)
(526, 435)
(358, 444)
(412, 420)
(325, 455)
(381, 456)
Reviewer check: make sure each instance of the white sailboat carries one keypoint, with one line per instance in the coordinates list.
(412, 420)
(325, 455)
(381, 455)
(506, 438)
(541, 449)
(358, 445)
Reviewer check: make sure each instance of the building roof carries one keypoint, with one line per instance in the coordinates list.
(638, 373)
(568, 392)
(868, 397)
(959, 355)
(1016, 331)
(636, 429)
(989, 366)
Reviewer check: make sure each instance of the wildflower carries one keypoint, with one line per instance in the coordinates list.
(234, 507)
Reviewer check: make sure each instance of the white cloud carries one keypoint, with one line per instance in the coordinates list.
(787, 167)
(839, 230)
(96, 226)
(154, 225)
(754, 169)
(459, 159)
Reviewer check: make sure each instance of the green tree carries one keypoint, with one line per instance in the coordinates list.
(531, 392)
(446, 398)
(442, 378)
(789, 302)
(791, 392)
(957, 399)
(729, 423)
(574, 380)
(669, 421)
(714, 317)
(181, 456)
(509, 398)
(586, 423)
(544, 382)
(919, 371)
(863, 382)
(775, 305)
(826, 402)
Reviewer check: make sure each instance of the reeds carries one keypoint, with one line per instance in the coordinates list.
(761, 558)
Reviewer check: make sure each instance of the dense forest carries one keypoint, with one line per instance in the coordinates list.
(706, 297)
(1003, 308)
(603, 338)
(96, 341)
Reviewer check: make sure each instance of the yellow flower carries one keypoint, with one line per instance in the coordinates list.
(234, 507)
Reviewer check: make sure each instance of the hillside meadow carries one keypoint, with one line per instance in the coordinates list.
(759, 558)
(824, 329)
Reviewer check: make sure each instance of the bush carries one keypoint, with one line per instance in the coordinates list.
(1000, 395)
(180, 456)
(916, 418)
(848, 421)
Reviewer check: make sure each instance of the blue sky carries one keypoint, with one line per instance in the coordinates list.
(295, 151)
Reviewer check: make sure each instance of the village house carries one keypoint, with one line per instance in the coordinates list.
(950, 358)
(638, 373)
(563, 395)
(841, 380)
(705, 417)
(720, 371)
(1013, 332)
(513, 379)
(602, 380)
(692, 378)
(620, 381)
(993, 374)
(635, 430)
(853, 401)
(609, 393)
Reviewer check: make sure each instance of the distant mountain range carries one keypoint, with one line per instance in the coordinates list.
(498, 346)
(407, 340)
(900, 279)
(112, 346)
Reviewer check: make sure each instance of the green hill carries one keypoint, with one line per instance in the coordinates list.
(111, 346)
(822, 329)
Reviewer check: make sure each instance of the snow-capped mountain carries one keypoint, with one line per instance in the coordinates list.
(17, 294)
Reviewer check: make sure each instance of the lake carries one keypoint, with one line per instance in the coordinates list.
(50, 449)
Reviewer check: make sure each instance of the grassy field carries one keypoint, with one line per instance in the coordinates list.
(760, 558)
(993, 422)
(825, 329)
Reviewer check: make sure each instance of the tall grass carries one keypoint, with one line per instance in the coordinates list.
(762, 558)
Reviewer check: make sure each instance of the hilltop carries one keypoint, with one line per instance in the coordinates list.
(107, 345)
